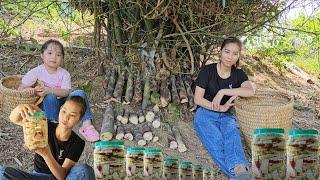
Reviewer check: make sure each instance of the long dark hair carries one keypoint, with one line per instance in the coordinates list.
(52, 41)
(232, 40)
(79, 101)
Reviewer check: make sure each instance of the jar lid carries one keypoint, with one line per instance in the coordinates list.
(109, 143)
(38, 114)
(268, 131)
(293, 132)
(185, 163)
(135, 149)
(170, 159)
(207, 169)
(197, 166)
(147, 151)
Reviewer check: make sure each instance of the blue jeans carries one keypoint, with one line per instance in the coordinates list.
(51, 105)
(78, 172)
(220, 135)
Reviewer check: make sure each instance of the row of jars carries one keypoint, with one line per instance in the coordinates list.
(111, 162)
(274, 157)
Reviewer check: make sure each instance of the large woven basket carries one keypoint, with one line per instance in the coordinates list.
(10, 97)
(267, 109)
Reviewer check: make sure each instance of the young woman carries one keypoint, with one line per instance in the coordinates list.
(58, 159)
(217, 86)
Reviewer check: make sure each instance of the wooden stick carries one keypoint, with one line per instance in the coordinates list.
(107, 129)
(125, 117)
(129, 89)
(146, 95)
(133, 118)
(171, 139)
(141, 117)
(111, 85)
(137, 89)
(156, 123)
(138, 137)
(174, 92)
(182, 91)
(120, 131)
(181, 146)
(120, 114)
(150, 116)
(128, 133)
(118, 90)
(192, 105)
(165, 96)
(146, 131)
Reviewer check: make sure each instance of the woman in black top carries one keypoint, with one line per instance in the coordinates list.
(217, 86)
(58, 159)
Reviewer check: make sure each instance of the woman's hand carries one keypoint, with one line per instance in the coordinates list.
(216, 100)
(43, 151)
(18, 115)
(227, 105)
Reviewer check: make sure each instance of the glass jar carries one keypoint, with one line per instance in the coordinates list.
(152, 161)
(134, 163)
(207, 173)
(303, 154)
(268, 153)
(197, 171)
(35, 131)
(170, 168)
(185, 171)
(108, 159)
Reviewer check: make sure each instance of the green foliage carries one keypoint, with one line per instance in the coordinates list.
(56, 15)
(298, 42)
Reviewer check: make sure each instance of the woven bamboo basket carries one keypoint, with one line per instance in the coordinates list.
(10, 97)
(267, 109)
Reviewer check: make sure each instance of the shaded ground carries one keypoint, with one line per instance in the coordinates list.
(81, 64)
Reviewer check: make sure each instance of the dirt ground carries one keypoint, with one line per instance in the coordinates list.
(82, 67)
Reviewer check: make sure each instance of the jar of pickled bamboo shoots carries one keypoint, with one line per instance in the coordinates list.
(109, 160)
(134, 163)
(185, 171)
(207, 173)
(197, 171)
(170, 168)
(268, 153)
(303, 154)
(152, 161)
(35, 131)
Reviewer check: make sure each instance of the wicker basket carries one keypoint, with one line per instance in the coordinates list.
(267, 109)
(10, 97)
